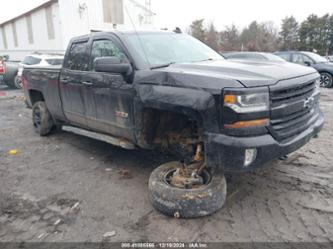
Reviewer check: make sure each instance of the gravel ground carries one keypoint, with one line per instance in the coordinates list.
(70, 188)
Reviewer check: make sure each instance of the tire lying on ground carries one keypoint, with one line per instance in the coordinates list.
(186, 203)
(42, 120)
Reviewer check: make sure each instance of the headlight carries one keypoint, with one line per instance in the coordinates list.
(247, 102)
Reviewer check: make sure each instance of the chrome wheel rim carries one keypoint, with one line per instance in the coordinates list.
(17, 83)
(325, 80)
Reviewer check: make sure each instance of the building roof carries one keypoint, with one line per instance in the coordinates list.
(41, 6)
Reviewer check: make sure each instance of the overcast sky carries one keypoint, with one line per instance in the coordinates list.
(171, 13)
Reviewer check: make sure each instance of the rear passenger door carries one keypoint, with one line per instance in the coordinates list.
(71, 86)
(108, 96)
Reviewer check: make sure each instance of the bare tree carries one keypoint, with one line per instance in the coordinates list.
(230, 40)
(212, 38)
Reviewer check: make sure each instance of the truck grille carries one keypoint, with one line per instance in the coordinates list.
(293, 109)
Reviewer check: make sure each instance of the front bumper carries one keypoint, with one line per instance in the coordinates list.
(227, 152)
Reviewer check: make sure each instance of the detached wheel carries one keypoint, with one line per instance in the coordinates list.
(199, 200)
(42, 119)
(326, 80)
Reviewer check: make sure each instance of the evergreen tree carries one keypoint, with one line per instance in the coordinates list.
(289, 35)
(197, 30)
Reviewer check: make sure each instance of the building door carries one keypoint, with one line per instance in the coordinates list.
(71, 86)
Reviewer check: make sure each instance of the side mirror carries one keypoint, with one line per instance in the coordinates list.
(111, 65)
(308, 63)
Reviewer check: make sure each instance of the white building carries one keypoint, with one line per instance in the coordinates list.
(50, 26)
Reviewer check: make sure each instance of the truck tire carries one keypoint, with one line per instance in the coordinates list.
(186, 203)
(42, 120)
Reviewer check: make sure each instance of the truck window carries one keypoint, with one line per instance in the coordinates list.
(106, 48)
(54, 62)
(77, 57)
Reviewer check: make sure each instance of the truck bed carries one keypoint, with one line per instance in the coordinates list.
(45, 80)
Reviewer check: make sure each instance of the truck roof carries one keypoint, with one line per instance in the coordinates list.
(120, 33)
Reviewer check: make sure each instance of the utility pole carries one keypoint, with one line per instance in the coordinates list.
(148, 15)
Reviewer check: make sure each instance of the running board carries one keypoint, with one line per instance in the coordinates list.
(120, 142)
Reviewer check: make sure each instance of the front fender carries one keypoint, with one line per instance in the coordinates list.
(197, 104)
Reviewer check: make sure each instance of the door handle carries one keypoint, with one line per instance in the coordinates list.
(65, 80)
(87, 83)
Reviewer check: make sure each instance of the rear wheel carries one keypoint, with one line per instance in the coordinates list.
(326, 80)
(174, 195)
(42, 119)
(17, 82)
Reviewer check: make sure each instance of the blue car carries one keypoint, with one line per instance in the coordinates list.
(321, 64)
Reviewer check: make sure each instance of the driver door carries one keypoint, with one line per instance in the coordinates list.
(108, 96)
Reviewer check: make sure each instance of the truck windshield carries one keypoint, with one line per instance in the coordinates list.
(164, 49)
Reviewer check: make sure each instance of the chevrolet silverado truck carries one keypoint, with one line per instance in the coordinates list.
(170, 92)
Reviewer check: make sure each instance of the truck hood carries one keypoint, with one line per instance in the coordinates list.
(249, 74)
(213, 76)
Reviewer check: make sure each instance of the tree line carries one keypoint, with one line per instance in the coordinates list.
(313, 34)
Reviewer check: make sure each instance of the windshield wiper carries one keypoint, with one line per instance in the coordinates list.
(163, 65)
(209, 59)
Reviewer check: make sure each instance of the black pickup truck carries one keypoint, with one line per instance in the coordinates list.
(168, 91)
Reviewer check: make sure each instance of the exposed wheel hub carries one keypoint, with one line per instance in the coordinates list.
(186, 178)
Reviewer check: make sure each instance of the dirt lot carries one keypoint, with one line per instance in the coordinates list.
(70, 188)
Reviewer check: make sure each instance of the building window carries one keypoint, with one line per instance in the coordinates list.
(29, 28)
(113, 11)
(14, 34)
(49, 22)
(4, 38)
